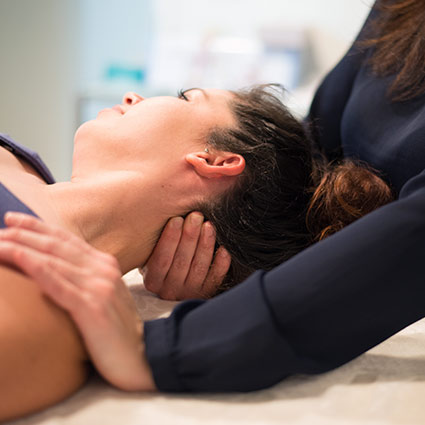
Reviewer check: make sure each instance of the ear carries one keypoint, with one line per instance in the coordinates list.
(216, 164)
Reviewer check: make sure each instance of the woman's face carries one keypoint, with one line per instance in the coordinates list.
(146, 132)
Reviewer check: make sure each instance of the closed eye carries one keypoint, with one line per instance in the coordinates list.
(181, 95)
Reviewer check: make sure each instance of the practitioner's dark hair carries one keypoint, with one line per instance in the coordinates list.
(287, 197)
(397, 36)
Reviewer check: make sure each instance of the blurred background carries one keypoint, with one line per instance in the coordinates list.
(64, 60)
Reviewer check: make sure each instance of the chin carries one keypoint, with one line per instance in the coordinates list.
(89, 132)
(81, 131)
(84, 139)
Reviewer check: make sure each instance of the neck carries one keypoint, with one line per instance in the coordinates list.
(118, 215)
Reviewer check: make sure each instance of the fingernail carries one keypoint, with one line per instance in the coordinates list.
(11, 215)
(223, 252)
(177, 222)
(196, 219)
(208, 229)
(7, 215)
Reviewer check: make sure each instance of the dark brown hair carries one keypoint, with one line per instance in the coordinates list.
(397, 37)
(345, 193)
(287, 198)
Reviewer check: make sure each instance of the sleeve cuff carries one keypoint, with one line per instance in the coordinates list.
(160, 339)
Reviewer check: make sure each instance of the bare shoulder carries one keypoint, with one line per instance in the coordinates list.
(42, 357)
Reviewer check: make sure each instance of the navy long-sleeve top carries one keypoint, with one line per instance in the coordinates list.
(336, 299)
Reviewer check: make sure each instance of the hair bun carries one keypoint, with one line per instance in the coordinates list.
(345, 193)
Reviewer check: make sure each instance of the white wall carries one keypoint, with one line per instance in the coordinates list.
(329, 27)
(338, 19)
(37, 84)
(46, 54)
(112, 32)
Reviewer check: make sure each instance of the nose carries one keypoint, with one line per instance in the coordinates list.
(131, 98)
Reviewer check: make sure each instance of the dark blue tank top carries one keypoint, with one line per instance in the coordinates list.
(8, 201)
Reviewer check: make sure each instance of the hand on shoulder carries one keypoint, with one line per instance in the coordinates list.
(87, 284)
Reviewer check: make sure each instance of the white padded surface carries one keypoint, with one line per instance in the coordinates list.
(384, 386)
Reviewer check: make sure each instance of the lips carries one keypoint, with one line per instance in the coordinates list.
(118, 109)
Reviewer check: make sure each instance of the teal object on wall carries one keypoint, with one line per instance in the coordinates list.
(118, 72)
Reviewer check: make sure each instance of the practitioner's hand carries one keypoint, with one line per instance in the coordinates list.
(87, 283)
(180, 265)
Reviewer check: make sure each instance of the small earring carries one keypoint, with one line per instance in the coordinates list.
(206, 150)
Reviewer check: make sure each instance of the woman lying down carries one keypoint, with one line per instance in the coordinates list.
(240, 158)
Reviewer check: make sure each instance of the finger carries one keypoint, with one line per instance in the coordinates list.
(77, 252)
(42, 243)
(30, 222)
(201, 263)
(185, 252)
(159, 262)
(8, 253)
(53, 240)
(35, 266)
(217, 272)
